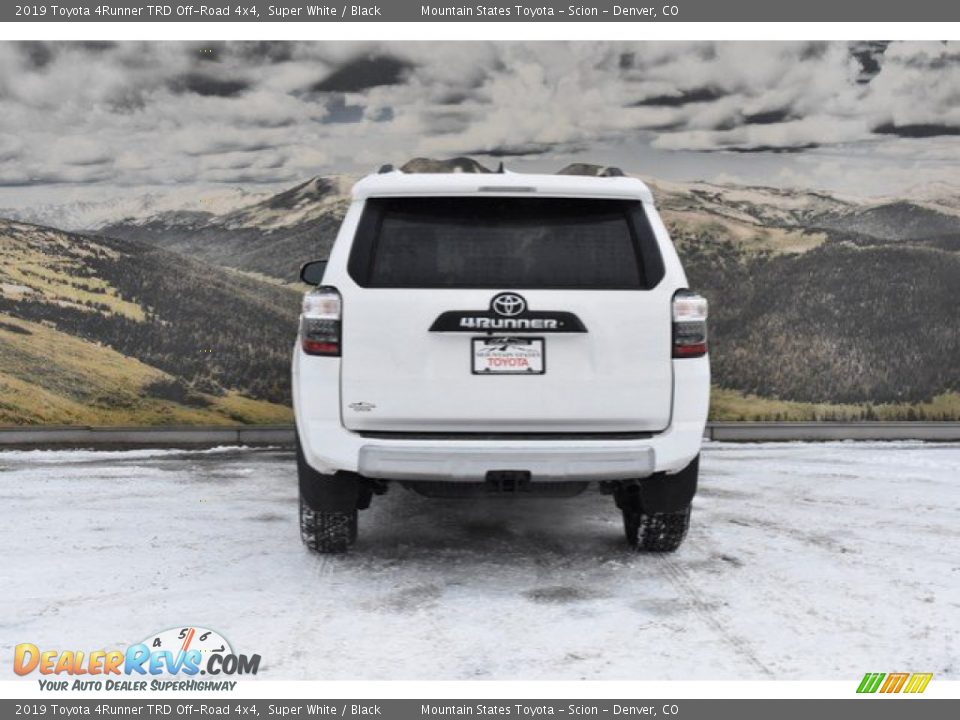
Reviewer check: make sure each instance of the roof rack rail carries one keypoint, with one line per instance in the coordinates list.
(388, 168)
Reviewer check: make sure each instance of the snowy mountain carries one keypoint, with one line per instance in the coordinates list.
(852, 300)
(944, 195)
(899, 220)
(92, 215)
(754, 205)
(272, 236)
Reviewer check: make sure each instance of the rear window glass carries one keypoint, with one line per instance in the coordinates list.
(496, 242)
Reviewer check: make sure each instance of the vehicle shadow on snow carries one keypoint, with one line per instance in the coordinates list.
(568, 554)
(403, 524)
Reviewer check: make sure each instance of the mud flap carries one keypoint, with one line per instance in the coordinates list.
(669, 493)
(332, 493)
(339, 493)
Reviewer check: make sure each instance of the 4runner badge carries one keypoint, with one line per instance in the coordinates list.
(508, 311)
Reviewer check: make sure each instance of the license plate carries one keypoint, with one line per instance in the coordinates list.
(509, 356)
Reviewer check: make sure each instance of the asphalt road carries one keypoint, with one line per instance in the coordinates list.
(805, 561)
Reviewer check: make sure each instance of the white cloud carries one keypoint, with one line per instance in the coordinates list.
(158, 113)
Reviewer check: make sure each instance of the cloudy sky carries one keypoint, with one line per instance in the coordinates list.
(93, 119)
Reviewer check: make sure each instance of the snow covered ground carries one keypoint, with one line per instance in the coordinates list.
(805, 561)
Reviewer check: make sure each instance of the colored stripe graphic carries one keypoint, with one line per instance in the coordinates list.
(870, 682)
(918, 682)
(895, 682)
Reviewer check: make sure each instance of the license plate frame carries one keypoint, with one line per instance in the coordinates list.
(532, 344)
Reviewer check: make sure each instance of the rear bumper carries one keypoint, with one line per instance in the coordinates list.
(329, 447)
(446, 463)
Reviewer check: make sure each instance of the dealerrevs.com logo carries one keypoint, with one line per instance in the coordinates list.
(168, 660)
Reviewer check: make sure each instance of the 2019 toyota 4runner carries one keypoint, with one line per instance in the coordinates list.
(520, 334)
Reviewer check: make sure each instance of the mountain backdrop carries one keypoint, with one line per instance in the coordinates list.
(183, 309)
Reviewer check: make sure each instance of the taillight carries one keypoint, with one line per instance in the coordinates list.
(320, 322)
(689, 325)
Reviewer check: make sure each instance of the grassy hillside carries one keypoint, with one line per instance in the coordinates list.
(807, 306)
(96, 330)
(727, 404)
(50, 377)
(820, 306)
(841, 323)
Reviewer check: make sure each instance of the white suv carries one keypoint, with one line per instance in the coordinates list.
(500, 333)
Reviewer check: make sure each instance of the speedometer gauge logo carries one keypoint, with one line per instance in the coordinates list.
(184, 639)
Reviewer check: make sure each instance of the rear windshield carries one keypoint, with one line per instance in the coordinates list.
(497, 242)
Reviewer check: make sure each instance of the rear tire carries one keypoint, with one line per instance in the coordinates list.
(656, 511)
(328, 508)
(327, 533)
(657, 532)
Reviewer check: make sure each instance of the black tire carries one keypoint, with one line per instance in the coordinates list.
(656, 512)
(328, 508)
(327, 532)
(657, 532)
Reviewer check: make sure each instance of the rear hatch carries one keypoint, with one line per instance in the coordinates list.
(505, 314)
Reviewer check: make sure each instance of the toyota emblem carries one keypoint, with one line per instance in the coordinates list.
(508, 304)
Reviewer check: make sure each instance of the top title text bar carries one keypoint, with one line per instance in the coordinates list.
(490, 10)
